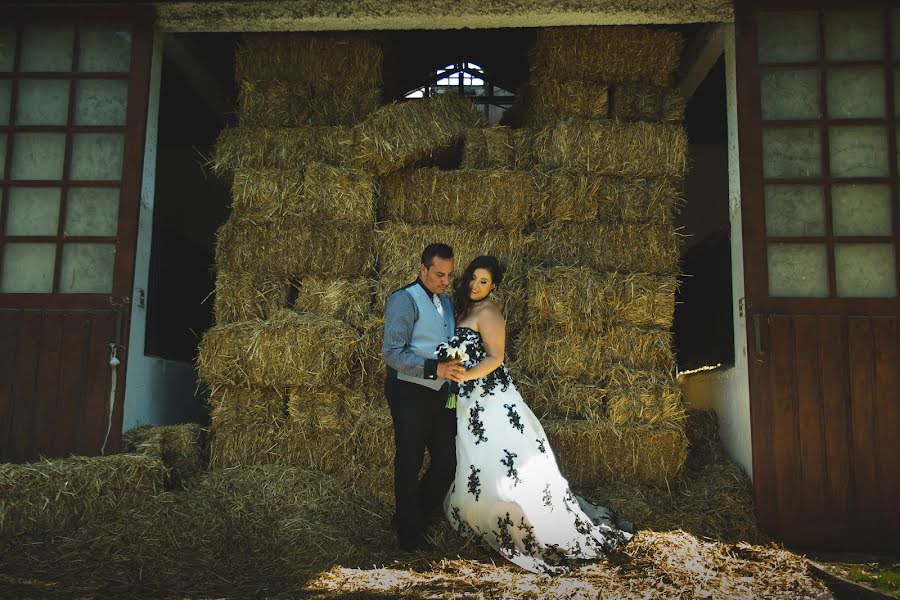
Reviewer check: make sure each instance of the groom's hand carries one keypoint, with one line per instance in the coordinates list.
(452, 370)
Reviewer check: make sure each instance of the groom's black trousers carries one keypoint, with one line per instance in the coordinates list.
(421, 421)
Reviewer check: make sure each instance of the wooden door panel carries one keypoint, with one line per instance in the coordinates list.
(24, 378)
(60, 381)
(47, 380)
(73, 374)
(836, 417)
(94, 414)
(887, 421)
(864, 462)
(9, 323)
(809, 417)
(830, 402)
(785, 443)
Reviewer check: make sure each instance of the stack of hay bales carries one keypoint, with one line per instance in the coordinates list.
(293, 363)
(294, 261)
(609, 156)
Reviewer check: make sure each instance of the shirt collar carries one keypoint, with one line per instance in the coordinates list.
(427, 291)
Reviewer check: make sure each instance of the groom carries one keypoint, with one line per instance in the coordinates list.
(417, 318)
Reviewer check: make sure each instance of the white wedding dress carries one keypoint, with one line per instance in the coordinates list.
(508, 492)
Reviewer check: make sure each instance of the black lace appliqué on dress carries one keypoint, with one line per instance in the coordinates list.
(541, 448)
(548, 499)
(504, 536)
(475, 424)
(474, 482)
(498, 378)
(514, 419)
(529, 541)
(509, 463)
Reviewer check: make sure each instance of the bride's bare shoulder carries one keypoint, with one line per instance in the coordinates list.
(489, 310)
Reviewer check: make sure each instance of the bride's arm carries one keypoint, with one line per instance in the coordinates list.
(493, 333)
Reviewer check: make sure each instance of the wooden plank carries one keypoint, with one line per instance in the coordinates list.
(73, 374)
(94, 413)
(811, 427)
(47, 384)
(860, 349)
(836, 424)
(761, 428)
(785, 442)
(26, 362)
(700, 56)
(9, 325)
(887, 409)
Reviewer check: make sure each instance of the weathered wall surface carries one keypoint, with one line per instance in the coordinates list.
(331, 15)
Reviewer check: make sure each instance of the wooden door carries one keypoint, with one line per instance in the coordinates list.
(818, 106)
(73, 90)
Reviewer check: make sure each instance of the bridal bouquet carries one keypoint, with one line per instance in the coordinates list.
(452, 350)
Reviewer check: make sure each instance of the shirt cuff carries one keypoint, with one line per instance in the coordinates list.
(430, 368)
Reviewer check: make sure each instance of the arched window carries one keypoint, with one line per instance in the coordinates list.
(467, 79)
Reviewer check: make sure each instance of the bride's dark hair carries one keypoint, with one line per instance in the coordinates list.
(461, 301)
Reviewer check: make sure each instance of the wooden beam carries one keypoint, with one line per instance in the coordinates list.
(345, 15)
(701, 54)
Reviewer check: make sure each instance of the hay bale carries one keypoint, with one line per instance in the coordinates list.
(581, 353)
(308, 58)
(315, 192)
(399, 247)
(349, 300)
(580, 196)
(281, 148)
(374, 368)
(613, 54)
(294, 247)
(246, 296)
(290, 349)
(497, 148)
(401, 133)
(550, 99)
(289, 444)
(280, 103)
(326, 410)
(591, 454)
(182, 449)
(482, 198)
(652, 249)
(647, 103)
(242, 405)
(637, 397)
(372, 447)
(580, 297)
(613, 148)
(553, 397)
(57, 496)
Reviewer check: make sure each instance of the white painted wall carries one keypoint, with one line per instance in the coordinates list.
(157, 391)
(732, 392)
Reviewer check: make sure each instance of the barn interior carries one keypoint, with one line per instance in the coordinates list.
(290, 487)
(199, 100)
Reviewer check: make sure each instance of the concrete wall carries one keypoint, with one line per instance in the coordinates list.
(731, 399)
(157, 391)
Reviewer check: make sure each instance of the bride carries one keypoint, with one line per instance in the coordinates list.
(508, 492)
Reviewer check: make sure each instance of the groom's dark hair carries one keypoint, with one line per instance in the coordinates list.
(440, 250)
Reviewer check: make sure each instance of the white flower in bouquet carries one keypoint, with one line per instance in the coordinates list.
(458, 354)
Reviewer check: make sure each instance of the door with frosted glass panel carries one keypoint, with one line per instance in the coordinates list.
(72, 110)
(818, 107)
